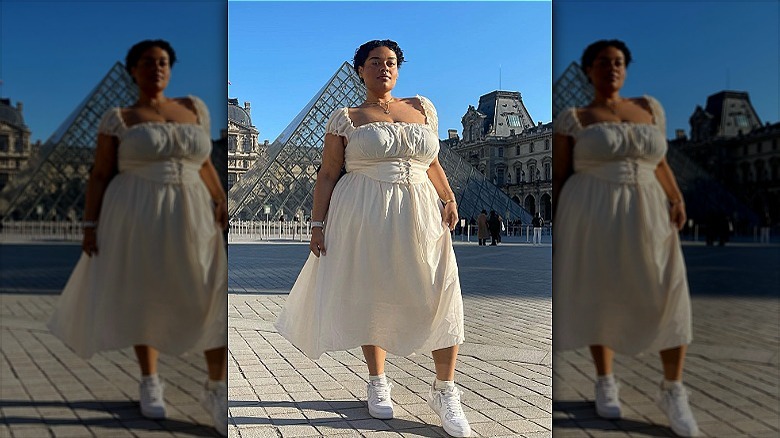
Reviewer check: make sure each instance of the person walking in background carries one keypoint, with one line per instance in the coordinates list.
(382, 272)
(153, 272)
(537, 223)
(483, 230)
(619, 282)
(494, 224)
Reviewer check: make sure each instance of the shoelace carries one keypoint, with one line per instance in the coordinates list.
(679, 401)
(609, 392)
(451, 402)
(382, 391)
(152, 392)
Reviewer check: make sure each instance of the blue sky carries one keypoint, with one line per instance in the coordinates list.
(54, 53)
(282, 53)
(683, 51)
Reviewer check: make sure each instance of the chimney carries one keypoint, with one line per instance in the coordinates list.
(679, 134)
(452, 133)
(247, 107)
(19, 106)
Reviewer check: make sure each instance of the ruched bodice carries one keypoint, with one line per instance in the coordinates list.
(389, 277)
(619, 152)
(392, 152)
(164, 152)
(619, 277)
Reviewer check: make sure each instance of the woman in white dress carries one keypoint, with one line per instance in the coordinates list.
(382, 272)
(619, 282)
(153, 272)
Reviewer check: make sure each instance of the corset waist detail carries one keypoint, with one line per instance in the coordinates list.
(401, 171)
(173, 171)
(623, 172)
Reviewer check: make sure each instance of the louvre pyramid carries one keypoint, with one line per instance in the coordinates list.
(53, 187)
(285, 182)
(571, 89)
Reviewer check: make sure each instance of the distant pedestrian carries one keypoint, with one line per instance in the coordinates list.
(494, 224)
(538, 223)
(766, 226)
(483, 231)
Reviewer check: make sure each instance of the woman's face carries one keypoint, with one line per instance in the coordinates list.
(153, 70)
(608, 71)
(380, 71)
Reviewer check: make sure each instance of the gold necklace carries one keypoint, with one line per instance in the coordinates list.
(384, 105)
(612, 107)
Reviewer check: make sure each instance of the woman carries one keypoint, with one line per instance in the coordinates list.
(153, 272)
(382, 273)
(619, 279)
(494, 223)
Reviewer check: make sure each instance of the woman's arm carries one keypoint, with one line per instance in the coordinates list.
(210, 177)
(563, 165)
(439, 180)
(330, 170)
(103, 171)
(669, 183)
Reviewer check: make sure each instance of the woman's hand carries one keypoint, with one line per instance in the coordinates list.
(450, 215)
(89, 242)
(317, 243)
(677, 214)
(221, 213)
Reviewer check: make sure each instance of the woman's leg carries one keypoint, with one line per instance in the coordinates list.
(375, 358)
(602, 358)
(147, 359)
(673, 360)
(216, 361)
(444, 361)
(607, 398)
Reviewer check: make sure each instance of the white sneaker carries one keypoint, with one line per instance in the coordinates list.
(215, 402)
(379, 403)
(446, 403)
(674, 403)
(151, 398)
(607, 399)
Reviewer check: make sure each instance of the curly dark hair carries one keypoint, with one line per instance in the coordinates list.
(361, 54)
(592, 51)
(135, 53)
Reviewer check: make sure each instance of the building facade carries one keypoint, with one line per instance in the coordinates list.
(729, 141)
(243, 145)
(15, 147)
(502, 141)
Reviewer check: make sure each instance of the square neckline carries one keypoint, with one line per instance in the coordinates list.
(616, 122)
(376, 122)
(162, 122)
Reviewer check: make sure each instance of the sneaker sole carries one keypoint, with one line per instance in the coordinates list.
(380, 416)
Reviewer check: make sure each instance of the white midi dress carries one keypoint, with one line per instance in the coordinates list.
(619, 277)
(390, 276)
(160, 275)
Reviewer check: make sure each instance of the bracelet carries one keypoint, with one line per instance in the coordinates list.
(317, 224)
(446, 201)
(88, 224)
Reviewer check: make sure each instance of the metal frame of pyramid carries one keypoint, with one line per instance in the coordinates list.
(571, 89)
(285, 182)
(53, 187)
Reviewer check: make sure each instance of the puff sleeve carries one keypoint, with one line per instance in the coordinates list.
(202, 111)
(431, 117)
(566, 123)
(339, 123)
(111, 123)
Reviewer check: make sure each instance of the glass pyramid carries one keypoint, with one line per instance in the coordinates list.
(53, 187)
(571, 89)
(285, 182)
